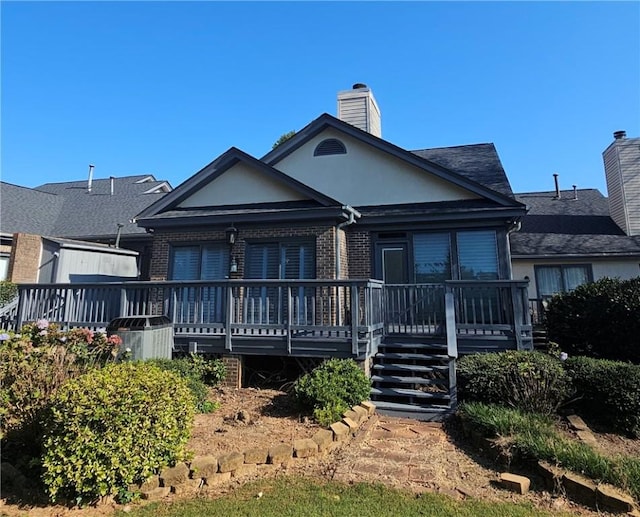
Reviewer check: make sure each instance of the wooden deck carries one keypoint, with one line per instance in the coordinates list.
(305, 318)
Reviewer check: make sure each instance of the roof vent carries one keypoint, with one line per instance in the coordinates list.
(359, 86)
(330, 146)
(619, 135)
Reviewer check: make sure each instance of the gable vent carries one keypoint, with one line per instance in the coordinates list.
(330, 146)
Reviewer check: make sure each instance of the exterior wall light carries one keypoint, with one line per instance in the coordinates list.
(232, 235)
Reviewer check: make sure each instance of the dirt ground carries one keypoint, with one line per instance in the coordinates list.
(401, 453)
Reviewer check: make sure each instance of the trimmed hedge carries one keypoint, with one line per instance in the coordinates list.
(113, 427)
(609, 391)
(531, 381)
(332, 388)
(599, 319)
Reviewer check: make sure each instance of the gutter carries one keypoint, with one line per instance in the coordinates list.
(353, 214)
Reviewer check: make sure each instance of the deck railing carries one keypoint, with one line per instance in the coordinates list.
(497, 308)
(351, 311)
(339, 309)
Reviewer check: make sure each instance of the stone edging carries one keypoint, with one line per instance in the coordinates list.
(215, 470)
(578, 488)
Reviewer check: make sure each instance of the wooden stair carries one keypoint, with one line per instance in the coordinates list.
(414, 378)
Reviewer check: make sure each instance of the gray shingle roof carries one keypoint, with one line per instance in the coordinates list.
(568, 226)
(68, 210)
(26, 210)
(477, 162)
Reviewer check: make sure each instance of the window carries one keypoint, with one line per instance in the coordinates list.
(4, 267)
(478, 255)
(273, 260)
(330, 146)
(432, 257)
(476, 252)
(201, 303)
(555, 279)
(199, 262)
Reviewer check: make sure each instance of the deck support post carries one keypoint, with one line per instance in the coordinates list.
(517, 317)
(450, 317)
(123, 302)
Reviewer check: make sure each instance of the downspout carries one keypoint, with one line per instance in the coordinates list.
(353, 215)
(514, 226)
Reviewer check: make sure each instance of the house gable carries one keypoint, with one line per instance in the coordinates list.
(376, 172)
(234, 182)
(365, 175)
(242, 184)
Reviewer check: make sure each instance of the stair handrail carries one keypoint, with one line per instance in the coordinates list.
(9, 313)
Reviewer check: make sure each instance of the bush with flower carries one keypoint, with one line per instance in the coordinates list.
(34, 363)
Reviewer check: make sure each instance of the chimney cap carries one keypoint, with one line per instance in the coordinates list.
(358, 86)
(619, 135)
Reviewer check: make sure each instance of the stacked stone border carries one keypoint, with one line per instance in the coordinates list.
(215, 470)
(576, 487)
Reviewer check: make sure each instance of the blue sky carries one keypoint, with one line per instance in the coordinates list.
(163, 88)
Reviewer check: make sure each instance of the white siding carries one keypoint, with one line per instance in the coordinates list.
(241, 184)
(366, 175)
(621, 268)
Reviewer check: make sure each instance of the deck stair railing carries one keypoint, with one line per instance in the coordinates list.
(8, 315)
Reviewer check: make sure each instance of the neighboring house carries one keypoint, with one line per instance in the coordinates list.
(95, 211)
(572, 237)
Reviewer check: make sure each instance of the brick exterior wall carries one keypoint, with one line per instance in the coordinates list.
(233, 365)
(359, 253)
(324, 237)
(24, 263)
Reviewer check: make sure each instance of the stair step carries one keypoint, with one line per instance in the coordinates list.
(425, 414)
(407, 380)
(417, 357)
(420, 346)
(411, 367)
(405, 392)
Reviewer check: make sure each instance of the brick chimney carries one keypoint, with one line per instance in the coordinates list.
(622, 170)
(359, 108)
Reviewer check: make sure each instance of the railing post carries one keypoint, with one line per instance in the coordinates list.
(20, 309)
(517, 316)
(354, 319)
(228, 317)
(289, 318)
(450, 317)
(123, 302)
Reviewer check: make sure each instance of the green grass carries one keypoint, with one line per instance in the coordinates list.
(535, 436)
(292, 496)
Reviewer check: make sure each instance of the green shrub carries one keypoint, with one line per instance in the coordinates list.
(33, 365)
(608, 391)
(534, 436)
(195, 370)
(599, 319)
(113, 427)
(8, 291)
(531, 381)
(332, 388)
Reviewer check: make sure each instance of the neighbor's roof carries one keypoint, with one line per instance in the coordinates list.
(27, 210)
(570, 227)
(69, 210)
